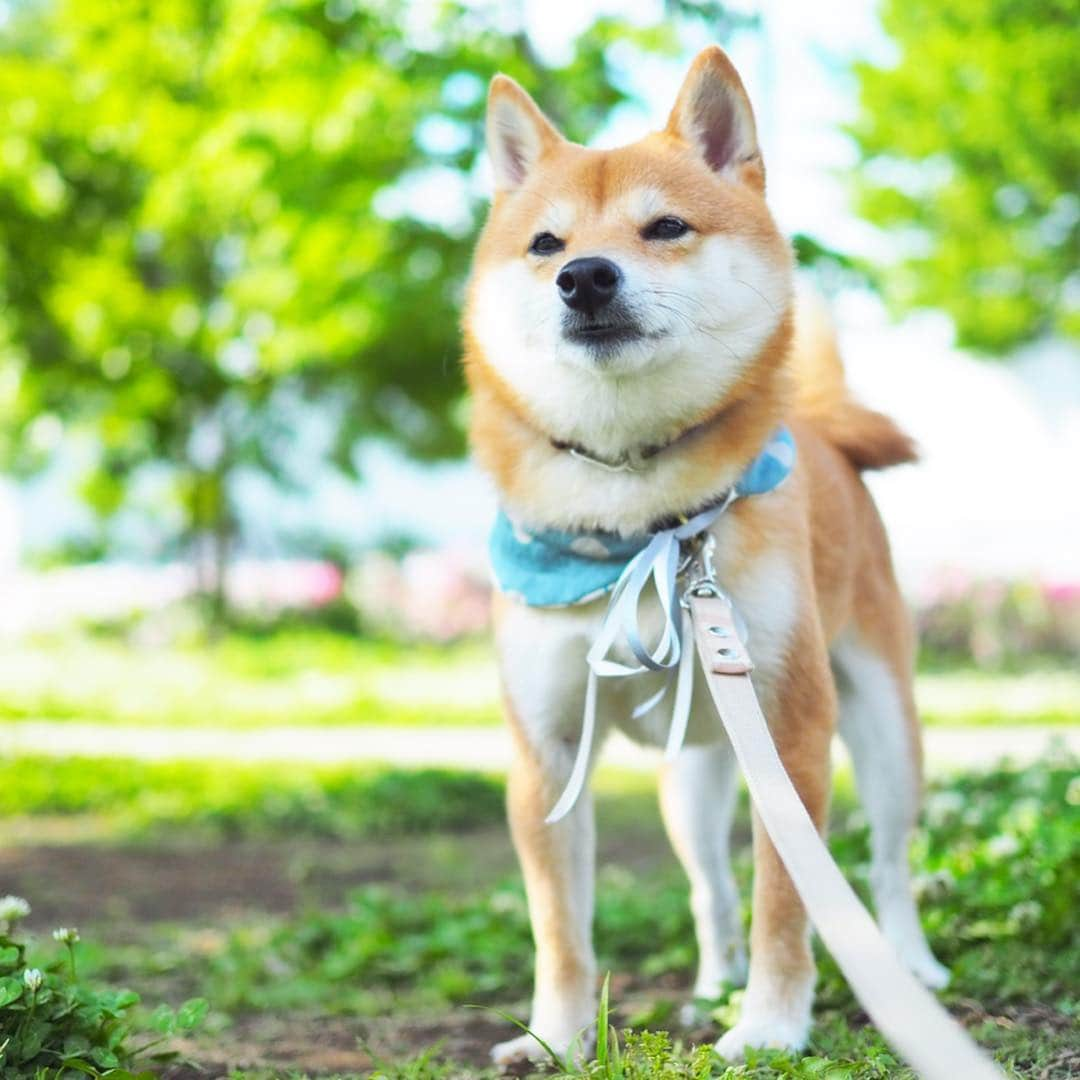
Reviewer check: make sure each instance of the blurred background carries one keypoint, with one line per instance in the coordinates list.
(233, 239)
(236, 518)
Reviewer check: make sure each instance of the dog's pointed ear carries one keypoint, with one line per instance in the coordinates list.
(712, 113)
(518, 133)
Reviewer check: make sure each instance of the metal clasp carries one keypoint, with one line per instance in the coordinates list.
(704, 582)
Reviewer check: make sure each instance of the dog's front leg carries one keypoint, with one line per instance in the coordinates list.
(558, 865)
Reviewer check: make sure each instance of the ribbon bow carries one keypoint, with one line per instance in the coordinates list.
(661, 561)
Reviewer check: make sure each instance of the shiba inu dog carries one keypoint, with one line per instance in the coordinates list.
(631, 342)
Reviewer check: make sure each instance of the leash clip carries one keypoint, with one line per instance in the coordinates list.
(705, 586)
(704, 583)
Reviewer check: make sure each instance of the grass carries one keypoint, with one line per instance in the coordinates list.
(997, 865)
(303, 676)
(1045, 694)
(229, 801)
(440, 921)
(314, 676)
(54, 1024)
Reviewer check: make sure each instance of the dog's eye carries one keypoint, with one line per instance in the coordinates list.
(665, 228)
(546, 244)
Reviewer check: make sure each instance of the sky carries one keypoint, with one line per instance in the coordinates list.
(995, 493)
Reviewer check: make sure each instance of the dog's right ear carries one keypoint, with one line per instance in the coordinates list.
(518, 133)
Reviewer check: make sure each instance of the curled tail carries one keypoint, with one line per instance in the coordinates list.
(868, 439)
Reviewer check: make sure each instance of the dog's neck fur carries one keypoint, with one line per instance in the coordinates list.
(546, 487)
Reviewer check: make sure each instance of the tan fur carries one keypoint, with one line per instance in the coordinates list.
(821, 525)
(869, 439)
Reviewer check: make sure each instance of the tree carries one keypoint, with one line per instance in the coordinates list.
(970, 148)
(204, 217)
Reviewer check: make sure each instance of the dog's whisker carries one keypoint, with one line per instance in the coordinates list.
(754, 289)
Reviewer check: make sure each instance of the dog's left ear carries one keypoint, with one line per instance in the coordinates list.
(713, 114)
(518, 133)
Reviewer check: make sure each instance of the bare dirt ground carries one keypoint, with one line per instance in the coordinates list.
(334, 1045)
(118, 893)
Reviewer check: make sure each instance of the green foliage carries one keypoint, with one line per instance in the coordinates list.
(1000, 867)
(424, 800)
(996, 863)
(1046, 693)
(293, 676)
(205, 216)
(234, 801)
(430, 948)
(971, 150)
(654, 1055)
(391, 949)
(300, 676)
(54, 1025)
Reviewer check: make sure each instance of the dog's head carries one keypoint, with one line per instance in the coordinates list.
(621, 294)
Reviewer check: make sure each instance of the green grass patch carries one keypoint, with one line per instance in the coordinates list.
(234, 801)
(55, 1024)
(1046, 694)
(996, 863)
(839, 1053)
(295, 676)
(298, 675)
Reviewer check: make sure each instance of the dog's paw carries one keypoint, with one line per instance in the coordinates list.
(693, 1014)
(701, 1008)
(518, 1051)
(914, 953)
(527, 1048)
(713, 987)
(766, 1033)
(922, 964)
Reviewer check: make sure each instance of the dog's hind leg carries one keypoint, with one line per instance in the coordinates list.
(697, 799)
(878, 724)
(558, 865)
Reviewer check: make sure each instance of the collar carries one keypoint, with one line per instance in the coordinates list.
(553, 568)
(637, 458)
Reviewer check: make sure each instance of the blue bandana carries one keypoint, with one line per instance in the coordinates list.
(551, 568)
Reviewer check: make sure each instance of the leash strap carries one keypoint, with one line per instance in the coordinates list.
(908, 1016)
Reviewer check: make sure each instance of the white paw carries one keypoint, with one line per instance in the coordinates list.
(699, 1009)
(527, 1048)
(514, 1051)
(926, 969)
(914, 952)
(766, 1033)
(693, 1014)
(713, 985)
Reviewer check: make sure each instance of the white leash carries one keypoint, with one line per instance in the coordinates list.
(907, 1014)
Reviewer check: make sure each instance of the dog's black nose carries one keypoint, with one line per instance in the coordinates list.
(588, 284)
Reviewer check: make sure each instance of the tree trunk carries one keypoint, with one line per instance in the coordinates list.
(212, 531)
(221, 540)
